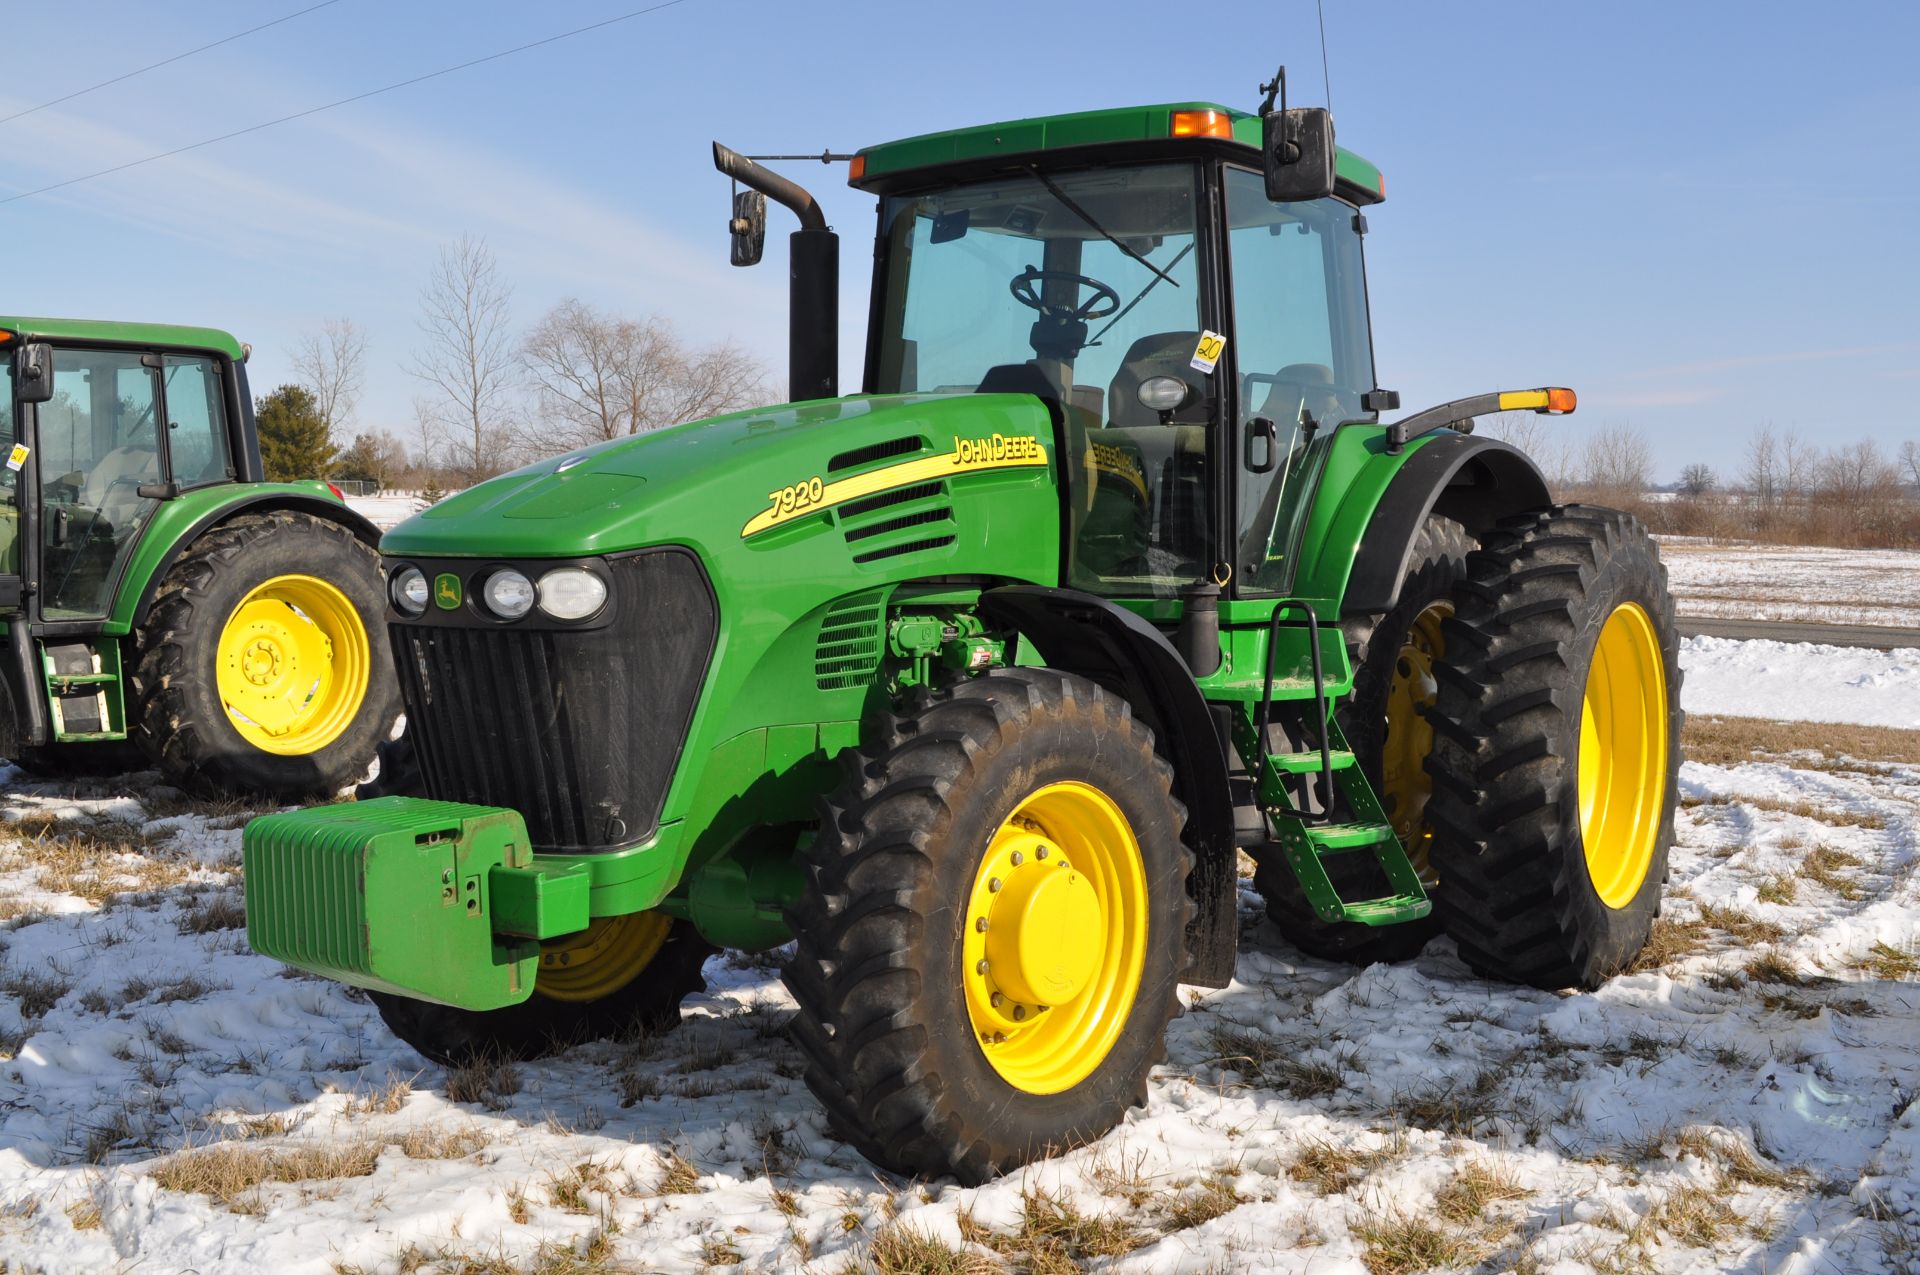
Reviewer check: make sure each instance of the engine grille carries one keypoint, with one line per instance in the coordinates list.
(577, 729)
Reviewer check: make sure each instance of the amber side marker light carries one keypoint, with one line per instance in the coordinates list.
(1202, 124)
(1555, 401)
(856, 169)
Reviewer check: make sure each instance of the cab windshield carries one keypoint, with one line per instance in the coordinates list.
(1082, 286)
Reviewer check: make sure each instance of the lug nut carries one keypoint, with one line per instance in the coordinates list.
(1041, 853)
(981, 925)
(993, 885)
(1018, 858)
(1019, 1013)
(997, 1000)
(980, 966)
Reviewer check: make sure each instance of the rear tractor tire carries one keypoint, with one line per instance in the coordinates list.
(991, 935)
(264, 665)
(1557, 748)
(621, 976)
(1385, 723)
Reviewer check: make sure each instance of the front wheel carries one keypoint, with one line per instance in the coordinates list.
(990, 940)
(1556, 748)
(264, 665)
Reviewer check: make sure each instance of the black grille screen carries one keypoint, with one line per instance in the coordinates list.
(578, 730)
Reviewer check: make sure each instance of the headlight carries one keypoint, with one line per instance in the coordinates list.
(572, 593)
(408, 589)
(507, 594)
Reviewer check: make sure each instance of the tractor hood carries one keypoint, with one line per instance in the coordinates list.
(730, 478)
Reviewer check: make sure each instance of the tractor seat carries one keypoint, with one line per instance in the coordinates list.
(117, 474)
(1296, 385)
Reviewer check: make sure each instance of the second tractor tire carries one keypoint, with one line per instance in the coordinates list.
(229, 615)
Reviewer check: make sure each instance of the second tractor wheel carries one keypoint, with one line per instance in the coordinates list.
(990, 940)
(620, 975)
(1557, 748)
(1385, 723)
(264, 664)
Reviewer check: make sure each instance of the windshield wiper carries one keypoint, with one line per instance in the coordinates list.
(1083, 215)
(1141, 295)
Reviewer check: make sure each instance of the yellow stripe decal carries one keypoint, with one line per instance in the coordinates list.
(1516, 400)
(969, 455)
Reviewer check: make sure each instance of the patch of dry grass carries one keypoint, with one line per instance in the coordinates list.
(214, 910)
(1824, 865)
(677, 1176)
(1741, 926)
(1402, 1243)
(1214, 1196)
(487, 1081)
(900, 1249)
(1670, 940)
(1333, 1169)
(1054, 1237)
(100, 859)
(234, 1173)
(1884, 961)
(1480, 1184)
(1728, 741)
(1781, 889)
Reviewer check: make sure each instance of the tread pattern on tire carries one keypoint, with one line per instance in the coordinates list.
(194, 750)
(1516, 898)
(1436, 563)
(869, 901)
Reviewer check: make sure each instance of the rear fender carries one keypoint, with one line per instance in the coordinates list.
(1079, 633)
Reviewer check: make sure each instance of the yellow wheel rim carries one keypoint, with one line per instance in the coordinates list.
(1405, 784)
(1623, 755)
(601, 959)
(293, 665)
(1055, 937)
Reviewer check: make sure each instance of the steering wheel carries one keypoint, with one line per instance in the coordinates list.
(1103, 302)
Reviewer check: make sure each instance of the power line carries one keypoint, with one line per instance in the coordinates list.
(328, 106)
(154, 66)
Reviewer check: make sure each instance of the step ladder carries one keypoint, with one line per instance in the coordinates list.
(1306, 836)
(84, 690)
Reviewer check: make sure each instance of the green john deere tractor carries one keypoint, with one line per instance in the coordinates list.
(159, 600)
(973, 685)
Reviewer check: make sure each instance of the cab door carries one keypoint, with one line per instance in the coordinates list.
(1302, 360)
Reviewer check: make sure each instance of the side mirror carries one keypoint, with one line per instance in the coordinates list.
(33, 372)
(749, 227)
(1298, 144)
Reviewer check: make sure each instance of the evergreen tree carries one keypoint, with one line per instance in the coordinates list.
(295, 440)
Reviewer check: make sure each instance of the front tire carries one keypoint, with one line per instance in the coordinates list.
(991, 935)
(1557, 748)
(622, 975)
(264, 665)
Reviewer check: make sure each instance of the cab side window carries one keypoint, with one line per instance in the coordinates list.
(196, 421)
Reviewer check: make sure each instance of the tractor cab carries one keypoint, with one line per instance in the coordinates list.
(1195, 334)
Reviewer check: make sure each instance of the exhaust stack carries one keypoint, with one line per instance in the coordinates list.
(813, 281)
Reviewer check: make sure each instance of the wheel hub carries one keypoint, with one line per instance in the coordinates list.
(293, 664)
(1044, 937)
(1405, 785)
(260, 664)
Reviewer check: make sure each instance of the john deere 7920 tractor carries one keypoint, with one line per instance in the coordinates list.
(154, 591)
(974, 684)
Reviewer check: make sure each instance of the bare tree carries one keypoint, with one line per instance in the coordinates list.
(1617, 465)
(466, 361)
(1543, 438)
(1799, 462)
(330, 364)
(1762, 474)
(1910, 460)
(1696, 480)
(604, 377)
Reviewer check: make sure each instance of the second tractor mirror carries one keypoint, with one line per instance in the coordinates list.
(33, 372)
(1299, 153)
(749, 226)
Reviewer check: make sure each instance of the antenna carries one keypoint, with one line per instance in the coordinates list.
(1325, 78)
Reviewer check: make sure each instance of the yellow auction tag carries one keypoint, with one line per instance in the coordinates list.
(1207, 353)
(17, 457)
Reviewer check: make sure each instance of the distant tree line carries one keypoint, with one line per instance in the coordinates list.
(494, 398)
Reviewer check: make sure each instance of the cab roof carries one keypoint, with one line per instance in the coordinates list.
(879, 167)
(103, 331)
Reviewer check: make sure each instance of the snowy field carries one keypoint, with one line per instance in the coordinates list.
(1742, 1100)
(387, 510)
(1775, 582)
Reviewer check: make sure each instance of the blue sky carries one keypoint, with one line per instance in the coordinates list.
(1702, 216)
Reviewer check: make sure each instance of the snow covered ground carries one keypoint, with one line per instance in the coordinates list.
(389, 509)
(1801, 681)
(1777, 582)
(1744, 1099)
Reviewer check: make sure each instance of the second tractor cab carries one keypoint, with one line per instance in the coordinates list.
(974, 685)
(160, 601)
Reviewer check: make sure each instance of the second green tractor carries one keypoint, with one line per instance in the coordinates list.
(973, 686)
